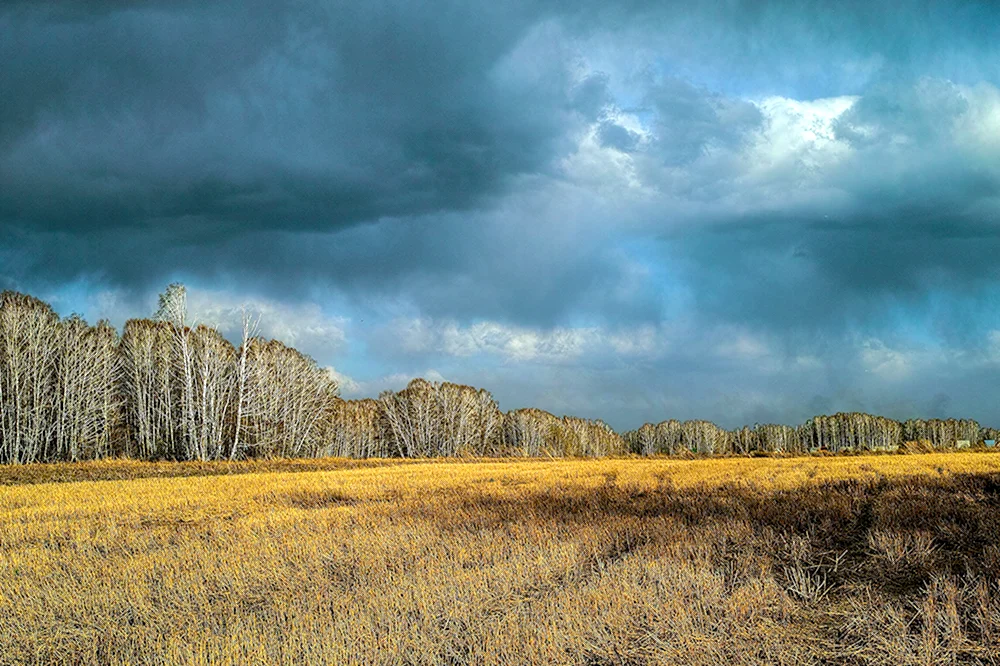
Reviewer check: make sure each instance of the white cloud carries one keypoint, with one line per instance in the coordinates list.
(885, 362)
(301, 325)
(642, 341)
(799, 135)
(817, 154)
(743, 346)
(348, 386)
(509, 342)
(807, 362)
(978, 129)
(993, 346)
(352, 389)
(606, 169)
(524, 344)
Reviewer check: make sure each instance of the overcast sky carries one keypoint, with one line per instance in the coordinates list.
(740, 211)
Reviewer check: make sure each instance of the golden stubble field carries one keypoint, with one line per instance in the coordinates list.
(857, 560)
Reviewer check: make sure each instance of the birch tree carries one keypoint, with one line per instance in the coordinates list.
(358, 430)
(249, 331)
(701, 436)
(86, 401)
(215, 386)
(173, 311)
(662, 438)
(150, 389)
(290, 401)
(29, 347)
(528, 432)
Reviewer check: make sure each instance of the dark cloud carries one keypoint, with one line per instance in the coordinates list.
(862, 275)
(921, 112)
(271, 116)
(612, 135)
(690, 121)
(502, 266)
(539, 165)
(809, 48)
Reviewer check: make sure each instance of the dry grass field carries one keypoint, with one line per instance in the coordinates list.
(854, 560)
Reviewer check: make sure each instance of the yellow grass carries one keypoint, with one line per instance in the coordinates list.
(622, 561)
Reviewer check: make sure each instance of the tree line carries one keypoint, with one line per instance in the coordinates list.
(841, 432)
(160, 390)
(163, 389)
(166, 389)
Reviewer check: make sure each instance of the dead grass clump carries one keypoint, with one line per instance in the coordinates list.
(898, 549)
(316, 499)
(949, 621)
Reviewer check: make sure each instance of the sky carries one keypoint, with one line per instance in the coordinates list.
(737, 211)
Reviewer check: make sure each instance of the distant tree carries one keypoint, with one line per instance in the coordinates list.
(746, 440)
(86, 396)
(942, 433)
(775, 438)
(442, 419)
(167, 388)
(358, 430)
(151, 389)
(703, 437)
(172, 311)
(215, 388)
(172, 306)
(527, 432)
(663, 438)
(589, 437)
(249, 331)
(290, 401)
(29, 352)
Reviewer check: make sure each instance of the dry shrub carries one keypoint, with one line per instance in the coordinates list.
(916, 446)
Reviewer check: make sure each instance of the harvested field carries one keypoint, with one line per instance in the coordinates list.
(857, 560)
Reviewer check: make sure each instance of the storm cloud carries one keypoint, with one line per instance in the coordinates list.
(738, 211)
